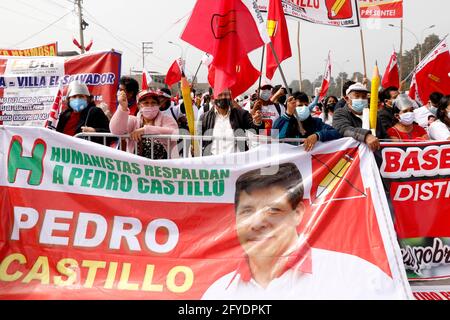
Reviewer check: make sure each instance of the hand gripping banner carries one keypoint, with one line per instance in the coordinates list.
(83, 221)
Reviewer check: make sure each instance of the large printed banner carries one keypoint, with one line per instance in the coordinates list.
(84, 221)
(50, 49)
(381, 9)
(417, 182)
(338, 13)
(29, 86)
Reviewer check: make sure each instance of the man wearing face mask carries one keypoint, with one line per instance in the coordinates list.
(297, 122)
(270, 110)
(386, 112)
(422, 113)
(131, 87)
(348, 120)
(405, 128)
(222, 120)
(81, 115)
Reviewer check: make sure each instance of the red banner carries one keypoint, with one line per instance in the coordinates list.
(381, 9)
(83, 221)
(417, 181)
(50, 49)
(100, 71)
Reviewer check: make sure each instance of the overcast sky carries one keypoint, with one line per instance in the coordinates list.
(124, 25)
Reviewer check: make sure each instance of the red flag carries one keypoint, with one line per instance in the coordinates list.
(75, 42)
(432, 73)
(89, 46)
(228, 30)
(174, 74)
(146, 79)
(246, 76)
(391, 76)
(278, 33)
(326, 79)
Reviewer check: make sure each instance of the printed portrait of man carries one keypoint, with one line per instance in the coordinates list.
(279, 263)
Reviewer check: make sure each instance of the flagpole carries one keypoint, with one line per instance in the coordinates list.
(261, 69)
(195, 75)
(363, 52)
(279, 66)
(299, 58)
(400, 67)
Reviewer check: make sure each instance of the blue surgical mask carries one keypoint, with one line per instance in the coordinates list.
(433, 110)
(358, 105)
(78, 104)
(265, 94)
(302, 113)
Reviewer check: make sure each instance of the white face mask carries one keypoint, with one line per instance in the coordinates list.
(407, 118)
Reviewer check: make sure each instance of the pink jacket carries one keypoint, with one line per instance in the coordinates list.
(123, 123)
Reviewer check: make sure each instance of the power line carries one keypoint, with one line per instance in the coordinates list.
(57, 4)
(22, 14)
(123, 41)
(35, 34)
(36, 8)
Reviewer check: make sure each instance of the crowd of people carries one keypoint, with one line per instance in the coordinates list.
(272, 111)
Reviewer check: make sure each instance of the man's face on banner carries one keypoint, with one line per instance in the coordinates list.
(266, 222)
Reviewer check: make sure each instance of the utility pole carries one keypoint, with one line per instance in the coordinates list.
(147, 48)
(83, 24)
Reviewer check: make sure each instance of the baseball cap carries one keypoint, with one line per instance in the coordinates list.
(359, 87)
(148, 92)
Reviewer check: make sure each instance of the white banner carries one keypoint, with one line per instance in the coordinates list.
(28, 89)
(337, 13)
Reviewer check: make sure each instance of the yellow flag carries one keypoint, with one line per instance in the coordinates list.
(374, 98)
(186, 93)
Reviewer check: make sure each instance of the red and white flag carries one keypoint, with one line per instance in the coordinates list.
(326, 79)
(174, 74)
(146, 79)
(228, 30)
(432, 74)
(391, 75)
(279, 35)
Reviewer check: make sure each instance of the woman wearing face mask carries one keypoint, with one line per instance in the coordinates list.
(149, 120)
(81, 115)
(330, 104)
(405, 128)
(297, 122)
(440, 129)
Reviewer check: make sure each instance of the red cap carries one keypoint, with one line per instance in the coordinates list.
(148, 92)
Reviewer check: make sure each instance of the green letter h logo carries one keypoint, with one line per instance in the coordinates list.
(34, 164)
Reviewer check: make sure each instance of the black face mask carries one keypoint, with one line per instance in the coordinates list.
(282, 100)
(223, 103)
(164, 106)
(331, 106)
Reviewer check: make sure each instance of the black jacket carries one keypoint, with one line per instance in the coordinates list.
(239, 119)
(92, 116)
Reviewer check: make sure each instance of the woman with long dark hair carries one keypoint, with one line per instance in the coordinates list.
(440, 129)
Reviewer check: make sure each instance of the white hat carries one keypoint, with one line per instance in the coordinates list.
(76, 87)
(357, 87)
(403, 102)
